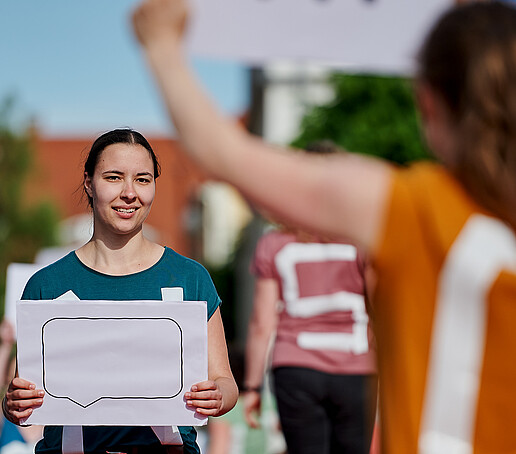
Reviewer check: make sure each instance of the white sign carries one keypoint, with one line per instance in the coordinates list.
(17, 276)
(360, 35)
(113, 363)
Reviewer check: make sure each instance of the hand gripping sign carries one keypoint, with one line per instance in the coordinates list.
(113, 363)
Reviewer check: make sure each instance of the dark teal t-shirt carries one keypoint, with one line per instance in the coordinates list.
(69, 273)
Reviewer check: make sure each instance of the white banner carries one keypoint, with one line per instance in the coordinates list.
(113, 363)
(360, 35)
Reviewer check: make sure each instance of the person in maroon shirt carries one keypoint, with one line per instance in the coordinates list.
(323, 361)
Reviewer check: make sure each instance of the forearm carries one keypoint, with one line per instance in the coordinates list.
(262, 325)
(207, 135)
(217, 143)
(219, 370)
(256, 351)
(341, 196)
(5, 354)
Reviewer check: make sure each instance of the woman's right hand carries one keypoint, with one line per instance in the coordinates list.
(20, 400)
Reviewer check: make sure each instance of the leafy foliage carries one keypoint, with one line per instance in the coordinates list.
(23, 229)
(371, 115)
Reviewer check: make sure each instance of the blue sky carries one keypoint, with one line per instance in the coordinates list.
(76, 68)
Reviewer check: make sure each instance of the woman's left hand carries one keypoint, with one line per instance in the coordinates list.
(205, 397)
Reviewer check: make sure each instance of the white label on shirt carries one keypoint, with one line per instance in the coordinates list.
(172, 294)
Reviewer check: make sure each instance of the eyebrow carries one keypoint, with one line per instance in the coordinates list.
(119, 172)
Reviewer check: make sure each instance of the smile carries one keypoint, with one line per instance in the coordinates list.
(125, 210)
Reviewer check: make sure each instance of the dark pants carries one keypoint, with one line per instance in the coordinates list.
(162, 449)
(324, 413)
(156, 449)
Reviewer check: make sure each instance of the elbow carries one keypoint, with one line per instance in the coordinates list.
(260, 331)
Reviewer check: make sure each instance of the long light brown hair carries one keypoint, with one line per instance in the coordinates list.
(469, 58)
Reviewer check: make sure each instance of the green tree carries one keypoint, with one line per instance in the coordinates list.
(369, 114)
(24, 229)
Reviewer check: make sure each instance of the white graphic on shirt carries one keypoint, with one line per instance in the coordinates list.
(296, 306)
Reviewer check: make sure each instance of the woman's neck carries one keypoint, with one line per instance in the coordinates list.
(120, 257)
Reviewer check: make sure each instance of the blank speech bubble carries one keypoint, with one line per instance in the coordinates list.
(87, 359)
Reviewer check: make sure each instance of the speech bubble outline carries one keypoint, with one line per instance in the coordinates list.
(46, 386)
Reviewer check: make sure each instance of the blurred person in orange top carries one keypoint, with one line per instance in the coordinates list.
(441, 235)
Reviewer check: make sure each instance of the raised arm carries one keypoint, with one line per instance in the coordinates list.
(342, 195)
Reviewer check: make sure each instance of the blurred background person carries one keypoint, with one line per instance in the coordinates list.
(311, 293)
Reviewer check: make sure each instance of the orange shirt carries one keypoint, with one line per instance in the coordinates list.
(445, 322)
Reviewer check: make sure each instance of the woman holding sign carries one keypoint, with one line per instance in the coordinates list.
(442, 236)
(119, 263)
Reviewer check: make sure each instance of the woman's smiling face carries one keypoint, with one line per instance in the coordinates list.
(122, 189)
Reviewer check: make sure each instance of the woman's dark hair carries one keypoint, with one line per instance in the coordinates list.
(128, 136)
(469, 60)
